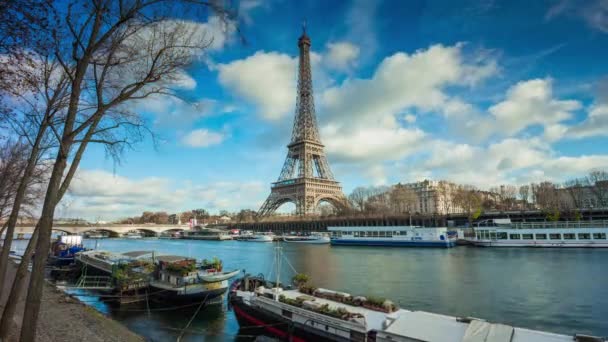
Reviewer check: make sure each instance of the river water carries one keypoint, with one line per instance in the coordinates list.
(558, 290)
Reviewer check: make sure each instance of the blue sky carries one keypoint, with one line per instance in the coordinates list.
(478, 92)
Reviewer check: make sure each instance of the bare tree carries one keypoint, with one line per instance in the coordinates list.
(111, 52)
(598, 180)
(524, 195)
(576, 189)
(31, 117)
(508, 196)
(468, 198)
(358, 197)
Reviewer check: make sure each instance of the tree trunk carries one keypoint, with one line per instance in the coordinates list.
(27, 174)
(2, 231)
(19, 282)
(17, 288)
(34, 295)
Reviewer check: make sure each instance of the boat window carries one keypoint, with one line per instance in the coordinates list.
(395, 233)
(492, 235)
(389, 234)
(403, 232)
(527, 236)
(514, 236)
(555, 236)
(375, 234)
(541, 236)
(369, 234)
(584, 236)
(382, 234)
(286, 313)
(501, 235)
(356, 234)
(569, 236)
(599, 236)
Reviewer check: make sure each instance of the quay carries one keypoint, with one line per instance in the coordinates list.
(320, 224)
(63, 318)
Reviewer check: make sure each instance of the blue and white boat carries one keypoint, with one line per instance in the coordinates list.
(392, 236)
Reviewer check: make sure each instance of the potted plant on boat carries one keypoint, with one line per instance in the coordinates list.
(300, 279)
(215, 264)
(379, 304)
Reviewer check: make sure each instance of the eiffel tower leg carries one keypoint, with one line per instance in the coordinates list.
(268, 207)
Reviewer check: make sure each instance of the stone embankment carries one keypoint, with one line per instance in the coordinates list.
(63, 318)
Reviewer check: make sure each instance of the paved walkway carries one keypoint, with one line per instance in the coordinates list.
(63, 318)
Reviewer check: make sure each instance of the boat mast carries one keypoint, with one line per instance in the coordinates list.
(278, 256)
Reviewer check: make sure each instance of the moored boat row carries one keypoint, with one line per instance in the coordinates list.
(504, 233)
(307, 313)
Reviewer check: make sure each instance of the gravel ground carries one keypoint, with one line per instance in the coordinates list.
(63, 318)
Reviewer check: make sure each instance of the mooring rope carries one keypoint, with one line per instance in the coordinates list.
(191, 319)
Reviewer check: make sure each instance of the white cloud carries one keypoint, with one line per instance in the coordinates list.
(511, 160)
(410, 118)
(596, 123)
(594, 12)
(98, 193)
(341, 55)
(371, 144)
(203, 138)
(246, 7)
(531, 103)
(359, 116)
(266, 79)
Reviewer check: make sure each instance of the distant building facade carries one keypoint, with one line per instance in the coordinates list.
(434, 197)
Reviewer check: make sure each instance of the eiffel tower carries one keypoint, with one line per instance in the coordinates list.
(305, 178)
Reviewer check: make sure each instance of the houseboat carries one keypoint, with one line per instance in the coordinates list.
(504, 233)
(312, 239)
(266, 308)
(64, 249)
(206, 234)
(392, 236)
(183, 279)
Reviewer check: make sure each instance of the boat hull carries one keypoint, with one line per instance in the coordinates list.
(392, 243)
(196, 292)
(320, 241)
(538, 244)
(258, 322)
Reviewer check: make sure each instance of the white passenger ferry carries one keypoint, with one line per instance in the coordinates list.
(397, 236)
(504, 233)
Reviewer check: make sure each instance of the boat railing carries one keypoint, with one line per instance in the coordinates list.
(551, 225)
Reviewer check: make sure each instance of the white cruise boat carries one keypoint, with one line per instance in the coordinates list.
(318, 239)
(259, 237)
(504, 233)
(392, 236)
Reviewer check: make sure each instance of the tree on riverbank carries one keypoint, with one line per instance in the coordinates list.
(111, 54)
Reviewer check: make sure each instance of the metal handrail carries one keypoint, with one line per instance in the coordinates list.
(551, 225)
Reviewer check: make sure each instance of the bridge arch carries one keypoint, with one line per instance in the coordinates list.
(64, 231)
(111, 233)
(147, 232)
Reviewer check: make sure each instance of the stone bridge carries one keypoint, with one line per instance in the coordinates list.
(114, 230)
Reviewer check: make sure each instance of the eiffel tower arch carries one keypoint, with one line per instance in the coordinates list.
(306, 179)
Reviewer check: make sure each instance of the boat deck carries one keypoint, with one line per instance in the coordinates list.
(425, 326)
